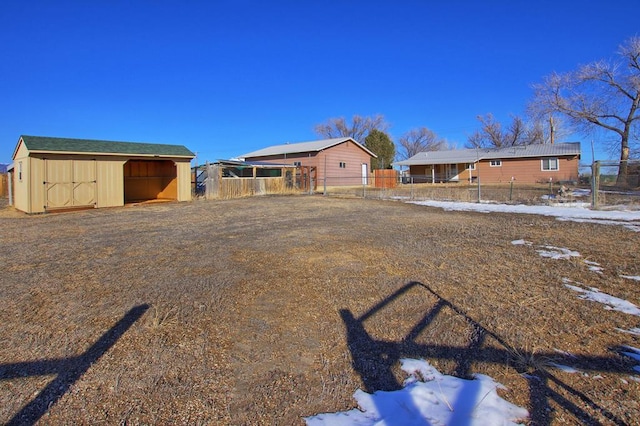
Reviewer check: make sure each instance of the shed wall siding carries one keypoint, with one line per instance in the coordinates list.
(21, 180)
(110, 183)
(36, 188)
(184, 180)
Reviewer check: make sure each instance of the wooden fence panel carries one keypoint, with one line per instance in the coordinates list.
(385, 178)
(4, 185)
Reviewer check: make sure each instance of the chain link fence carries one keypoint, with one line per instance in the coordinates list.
(609, 192)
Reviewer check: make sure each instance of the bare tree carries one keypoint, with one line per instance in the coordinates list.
(358, 129)
(602, 94)
(492, 134)
(419, 140)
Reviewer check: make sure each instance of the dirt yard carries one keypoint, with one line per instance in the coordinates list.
(266, 310)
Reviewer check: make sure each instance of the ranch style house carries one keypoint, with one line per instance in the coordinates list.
(524, 164)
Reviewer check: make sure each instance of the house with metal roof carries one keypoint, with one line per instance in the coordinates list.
(525, 164)
(336, 162)
(61, 173)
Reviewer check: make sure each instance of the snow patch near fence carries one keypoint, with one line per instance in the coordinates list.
(429, 397)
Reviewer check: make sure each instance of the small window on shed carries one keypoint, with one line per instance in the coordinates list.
(495, 163)
(343, 165)
(20, 171)
(550, 164)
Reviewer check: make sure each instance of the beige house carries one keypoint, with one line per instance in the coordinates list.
(60, 173)
(524, 164)
(343, 161)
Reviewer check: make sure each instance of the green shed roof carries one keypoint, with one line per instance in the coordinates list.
(90, 146)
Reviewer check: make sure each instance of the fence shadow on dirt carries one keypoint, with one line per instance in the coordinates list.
(373, 360)
(67, 370)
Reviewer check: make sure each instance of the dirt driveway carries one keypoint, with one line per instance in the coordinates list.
(266, 310)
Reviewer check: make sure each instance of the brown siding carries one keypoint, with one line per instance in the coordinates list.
(529, 170)
(346, 152)
(523, 170)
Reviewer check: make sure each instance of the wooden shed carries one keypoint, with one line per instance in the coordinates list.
(61, 173)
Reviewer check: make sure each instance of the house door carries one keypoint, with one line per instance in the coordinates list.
(69, 183)
(364, 174)
(452, 172)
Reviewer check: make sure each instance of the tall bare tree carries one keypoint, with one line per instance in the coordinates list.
(358, 129)
(493, 135)
(419, 140)
(604, 94)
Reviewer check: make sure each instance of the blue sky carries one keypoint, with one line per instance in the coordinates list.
(229, 77)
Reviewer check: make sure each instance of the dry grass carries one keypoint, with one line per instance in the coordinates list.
(264, 310)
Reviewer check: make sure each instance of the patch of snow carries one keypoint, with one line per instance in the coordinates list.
(631, 277)
(611, 302)
(633, 353)
(628, 225)
(565, 368)
(565, 353)
(521, 243)
(634, 331)
(557, 252)
(627, 218)
(429, 397)
(593, 266)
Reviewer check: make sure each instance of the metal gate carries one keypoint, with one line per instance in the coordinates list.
(69, 183)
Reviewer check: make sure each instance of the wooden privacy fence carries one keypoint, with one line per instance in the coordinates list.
(223, 181)
(4, 185)
(385, 178)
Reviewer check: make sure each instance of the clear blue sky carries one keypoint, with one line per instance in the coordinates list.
(228, 77)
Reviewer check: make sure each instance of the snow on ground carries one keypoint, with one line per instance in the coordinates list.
(633, 353)
(635, 331)
(631, 277)
(611, 302)
(558, 253)
(429, 397)
(579, 213)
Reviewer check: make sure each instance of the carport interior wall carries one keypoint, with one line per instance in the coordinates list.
(150, 180)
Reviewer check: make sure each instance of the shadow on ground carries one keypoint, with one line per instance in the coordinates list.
(67, 370)
(373, 360)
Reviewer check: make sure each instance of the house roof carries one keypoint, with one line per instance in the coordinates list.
(296, 148)
(42, 144)
(472, 155)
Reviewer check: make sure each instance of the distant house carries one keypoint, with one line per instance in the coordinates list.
(342, 160)
(61, 173)
(525, 164)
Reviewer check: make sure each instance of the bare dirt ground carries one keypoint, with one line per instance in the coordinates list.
(266, 310)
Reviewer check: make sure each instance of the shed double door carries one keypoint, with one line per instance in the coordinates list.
(69, 183)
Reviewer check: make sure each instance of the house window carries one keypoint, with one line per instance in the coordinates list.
(550, 164)
(343, 165)
(297, 163)
(495, 163)
(471, 166)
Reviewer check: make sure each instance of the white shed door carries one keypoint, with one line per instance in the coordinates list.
(70, 183)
